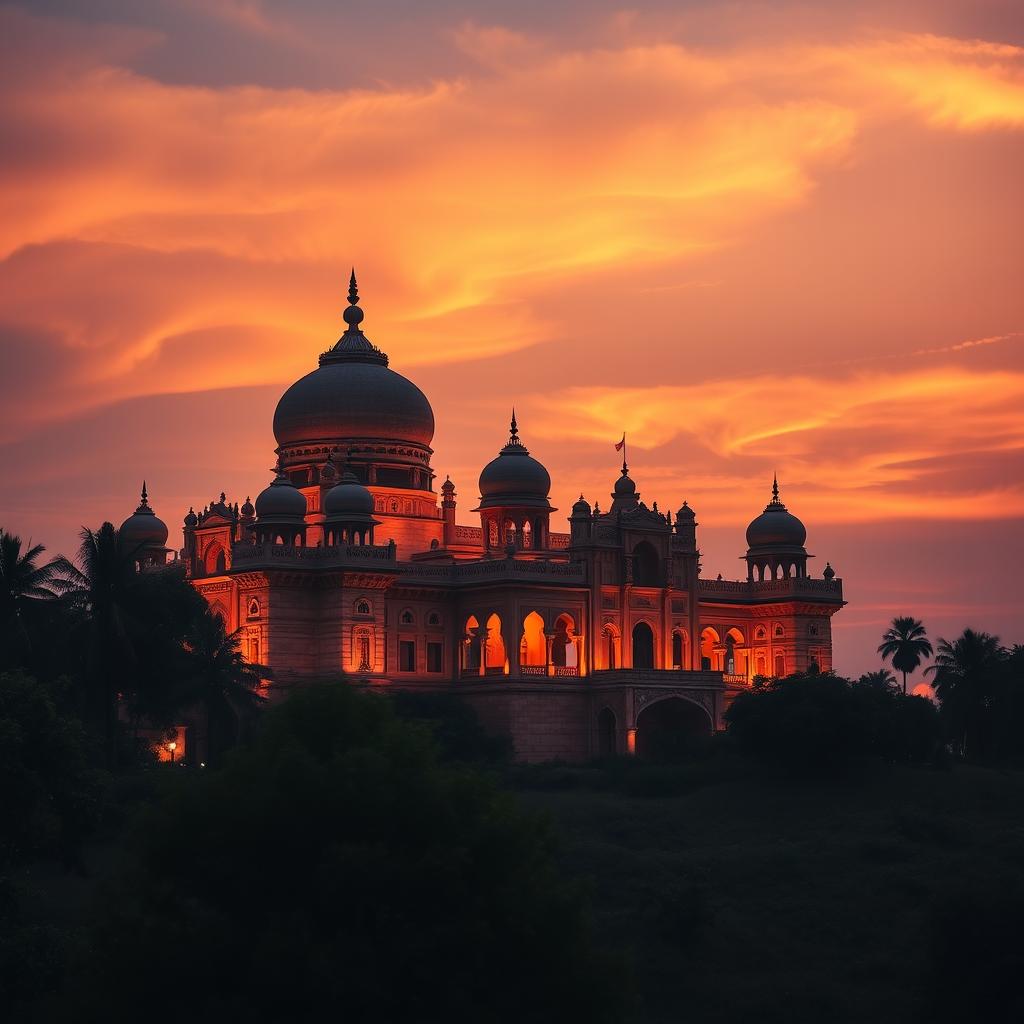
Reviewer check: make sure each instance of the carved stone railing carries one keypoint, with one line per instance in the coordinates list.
(498, 569)
(558, 541)
(735, 679)
(533, 670)
(768, 589)
(469, 534)
(296, 556)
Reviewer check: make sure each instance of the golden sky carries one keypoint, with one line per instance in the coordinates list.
(756, 236)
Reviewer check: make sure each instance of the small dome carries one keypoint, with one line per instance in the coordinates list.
(248, 511)
(686, 512)
(191, 519)
(281, 500)
(581, 508)
(143, 527)
(348, 497)
(514, 477)
(624, 486)
(776, 526)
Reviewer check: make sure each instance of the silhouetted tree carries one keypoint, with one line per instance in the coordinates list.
(335, 870)
(217, 678)
(25, 583)
(906, 643)
(969, 673)
(883, 680)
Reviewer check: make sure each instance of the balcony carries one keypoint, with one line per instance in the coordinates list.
(763, 591)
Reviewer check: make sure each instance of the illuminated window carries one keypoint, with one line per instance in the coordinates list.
(406, 655)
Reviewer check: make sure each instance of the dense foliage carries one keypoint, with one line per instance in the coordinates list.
(819, 724)
(335, 869)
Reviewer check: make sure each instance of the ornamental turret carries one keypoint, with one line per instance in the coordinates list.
(775, 542)
(143, 535)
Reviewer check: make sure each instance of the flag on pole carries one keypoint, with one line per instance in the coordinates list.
(621, 444)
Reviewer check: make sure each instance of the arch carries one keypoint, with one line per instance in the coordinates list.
(606, 733)
(471, 645)
(214, 560)
(406, 617)
(494, 645)
(610, 636)
(667, 727)
(362, 648)
(679, 646)
(533, 644)
(433, 618)
(527, 534)
(563, 649)
(221, 612)
(760, 633)
(780, 664)
(779, 629)
(492, 533)
(731, 664)
(643, 646)
(363, 607)
(761, 664)
(253, 609)
(709, 640)
(646, 565)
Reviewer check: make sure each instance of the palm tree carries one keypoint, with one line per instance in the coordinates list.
(968, 672)
(883, 679)
(220, 680)
(24, 582)
(100, 591)
(906, 644)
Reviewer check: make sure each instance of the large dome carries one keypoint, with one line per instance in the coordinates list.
(353, 395)
(514, 477)
(776, 526)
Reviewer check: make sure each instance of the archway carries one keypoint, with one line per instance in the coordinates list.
(611, 646)
(643, 646)
(215, 561)
(471, 645)
(646, 565)
(668, 729)
(563, 650)
(606, 745)
(734, 663)
(532, 645)
(494, 654)
(708, 640)
(679, 649)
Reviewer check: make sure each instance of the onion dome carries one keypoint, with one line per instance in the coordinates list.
(281, 500)
(248, 510)
(348, 498)
(581, 509)
(686, 512)
(776, 526)
(353, 395)
(447, 488)
(514, 477)
(829, 573)
(143, 527)
(191, 519)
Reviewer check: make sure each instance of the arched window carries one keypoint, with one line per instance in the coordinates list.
(709, 639)
(471, 645)
(433, 619)
(363, 607)
(563, 650)
(406, 618)
(362, 649)
(492, 533)
(611, 636)
(760, 633)
(646, 565)
(779, 631)
(394, 505)
(214, 560)
(494, 655)
(780, 664)
(643, 646)
(254, 609)
(533, 644)
(677, 649)
(527, 535)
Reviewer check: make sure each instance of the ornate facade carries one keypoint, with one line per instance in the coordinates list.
(576, 644)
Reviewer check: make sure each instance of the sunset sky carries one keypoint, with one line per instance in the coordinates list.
(755, 236)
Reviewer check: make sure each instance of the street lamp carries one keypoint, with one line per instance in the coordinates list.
(172, 747)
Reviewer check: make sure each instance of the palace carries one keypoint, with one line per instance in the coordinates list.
(602, 640)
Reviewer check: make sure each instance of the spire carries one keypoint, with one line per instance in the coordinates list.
(353, 345)
(775, 489)
(514, 428)
(145, 494)
(353, 289)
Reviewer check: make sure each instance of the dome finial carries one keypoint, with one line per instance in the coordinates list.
(513, 428)
(353, 315)
(353, 289)
(145, 494)
(775, 489)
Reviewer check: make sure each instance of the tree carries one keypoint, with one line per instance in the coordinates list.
(883, 680)
(218, 678)
(906, 644)
(335, 870)
(968, 676)
(24, 585)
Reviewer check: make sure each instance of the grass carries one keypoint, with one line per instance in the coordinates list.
(738, 897)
